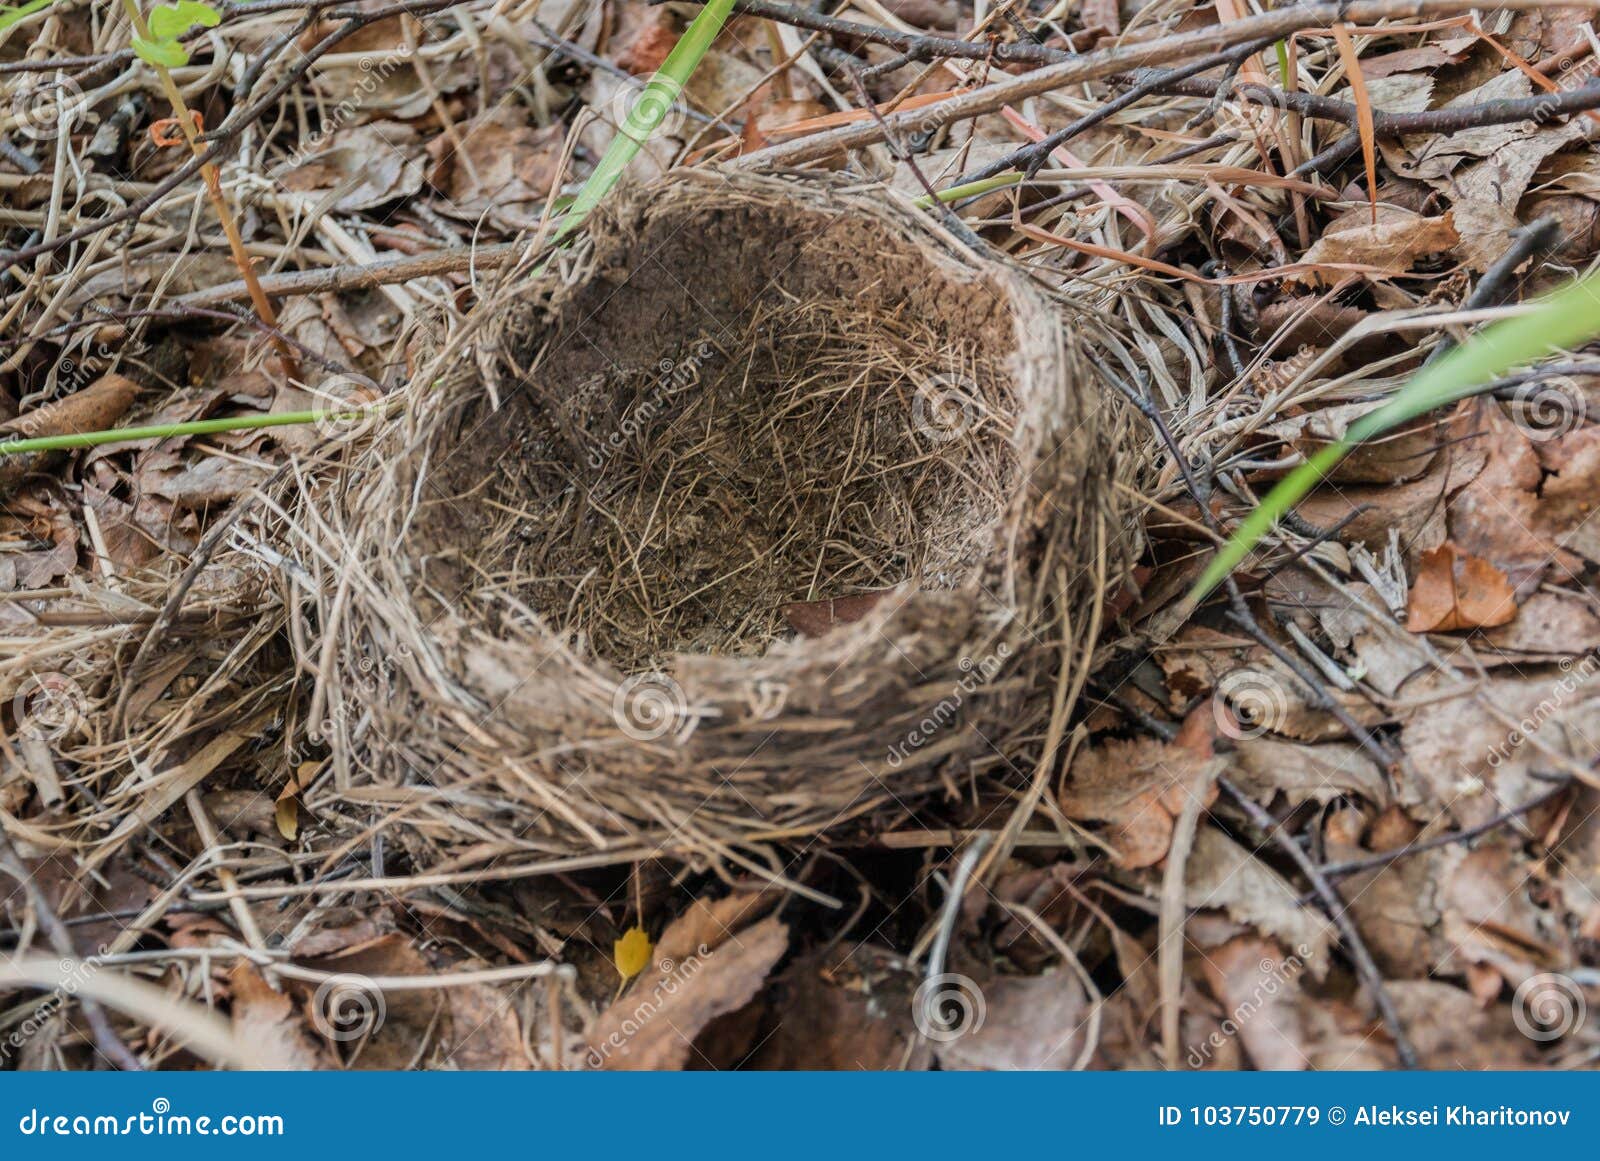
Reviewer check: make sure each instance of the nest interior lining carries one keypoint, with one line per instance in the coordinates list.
(683, 462)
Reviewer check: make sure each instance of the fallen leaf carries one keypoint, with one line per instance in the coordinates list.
(362, 167)
(1456, 591)
(1257, 983)
(506, 167)
(653, 1026)
(1017, 1023)
(1139, 787)
(814, 618)
(1392, 244)
(631, 953)
(267, 1020)
(1475, 754)
(95, 408)
(208, 483)
(1224, 875)
(1548, 626)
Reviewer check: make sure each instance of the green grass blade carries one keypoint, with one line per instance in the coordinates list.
(10, 17)
(1565, 319)
(645, 117)
(81, 439)
(970, 189)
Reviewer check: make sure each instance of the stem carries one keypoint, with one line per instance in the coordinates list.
(645, 117)
(208, 172)
(82, 439)
(970, 189)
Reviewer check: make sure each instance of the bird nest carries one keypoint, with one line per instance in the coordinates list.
(757, 517)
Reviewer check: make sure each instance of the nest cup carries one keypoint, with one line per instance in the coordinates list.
(785, 508)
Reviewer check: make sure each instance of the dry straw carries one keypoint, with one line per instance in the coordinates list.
(560, 626)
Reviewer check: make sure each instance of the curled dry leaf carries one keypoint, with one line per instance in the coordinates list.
(1392, 244)
(95, 408)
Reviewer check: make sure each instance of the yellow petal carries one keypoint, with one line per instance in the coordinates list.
(287, 816)
(632, 952)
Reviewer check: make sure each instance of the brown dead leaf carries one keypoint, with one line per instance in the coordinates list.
(267, 1021)
(644, 37)
(1491, 918)
(1478, 753)
(362, 167)
(1025, 1023)
(1549, 626)
(1567, 493)
(1306, 773)
(1224, 875)
(1395, 908)
(652, 1026)
(95, 408)
(1500, 514)
(1452, 1031)
(1138, 786)
(1392, 244)
(506, 169)
(209, 483)
(1456, 591)
(1254, 976)
(1402, 454)
(1423, 59)
(815, 618)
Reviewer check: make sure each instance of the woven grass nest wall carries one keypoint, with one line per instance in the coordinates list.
(773, 511)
